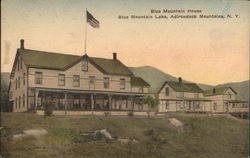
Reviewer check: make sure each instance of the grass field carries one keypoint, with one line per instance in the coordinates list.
(203, 137)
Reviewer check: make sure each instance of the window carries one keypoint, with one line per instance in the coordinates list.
(11, 95)
(38, 78)
(196, 95)
(16, 102)
(91, 81)
(106, 82)
(23, 100)
(39, 101)
(21, 63)
(18, 64)
(61, 80)
(229, 95)
(85, 65)
(179, 104)
(23, 78)
(76, 101)
(76, 80)
(140, 89)
(215, 106)
(19, 102)
(61, 102)
(122, 83)
(180, 94)
(18, 81)
(197, 105)
(31, 92)
(167, 105)
(233, 106)
(167, 91)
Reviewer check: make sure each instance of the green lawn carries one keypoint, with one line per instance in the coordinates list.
(203, 137)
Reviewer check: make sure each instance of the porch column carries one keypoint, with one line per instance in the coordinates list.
(110, 102)
(211, 107)
(65, 101)
(92, 102)
(176, 106)
(36, 96)
(132, 102)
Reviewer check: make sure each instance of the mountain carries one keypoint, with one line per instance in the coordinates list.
(5, 77)
(4, 91)
(153, 76)
(156, 78)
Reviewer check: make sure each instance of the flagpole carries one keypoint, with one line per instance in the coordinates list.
(85, 46)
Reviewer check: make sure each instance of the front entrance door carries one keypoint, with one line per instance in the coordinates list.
(189, 106)
(226, 107)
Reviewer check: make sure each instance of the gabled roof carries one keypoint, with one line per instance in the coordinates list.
(41, 59)
(138, 82)
(49, 60)
(183, 87)
(218, 91)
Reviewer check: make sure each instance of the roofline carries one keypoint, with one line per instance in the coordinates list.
(226, 88)
(233, 90)
(148, 85)
(167, 82)
(73, 63)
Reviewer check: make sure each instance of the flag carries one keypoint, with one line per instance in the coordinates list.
(92, 21)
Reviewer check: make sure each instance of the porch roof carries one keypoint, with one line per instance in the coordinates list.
(236, 101)
(88, 92)
(196, 99)
(188, 99)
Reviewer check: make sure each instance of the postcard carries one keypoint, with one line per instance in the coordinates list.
(124, 79)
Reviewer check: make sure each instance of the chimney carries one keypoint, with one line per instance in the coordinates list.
(214, 91)
(22, 43)
(114, 56)
(180, 80)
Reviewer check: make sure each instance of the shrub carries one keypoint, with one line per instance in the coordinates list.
(107, 114)
(131, 113)
(48, 108)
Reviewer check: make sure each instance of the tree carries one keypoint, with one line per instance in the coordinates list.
(152, 102)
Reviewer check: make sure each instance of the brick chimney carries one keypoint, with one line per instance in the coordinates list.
(214, 91)
(114, 56)
(180, 80)
(22, 43)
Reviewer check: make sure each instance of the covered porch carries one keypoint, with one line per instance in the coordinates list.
(87, 100)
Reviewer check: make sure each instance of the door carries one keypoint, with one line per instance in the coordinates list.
(226, 107)
(11, 104)
(189, 106)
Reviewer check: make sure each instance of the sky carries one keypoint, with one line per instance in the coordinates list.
(209, 51)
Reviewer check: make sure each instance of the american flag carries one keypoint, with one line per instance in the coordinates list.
(92, 21)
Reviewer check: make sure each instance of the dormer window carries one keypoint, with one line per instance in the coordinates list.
(84, 65)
